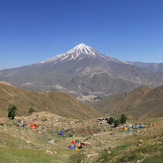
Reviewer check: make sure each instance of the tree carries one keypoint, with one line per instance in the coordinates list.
(31, 110)
(117, 122)
(111, 120)
(12, 111)
(123, 118)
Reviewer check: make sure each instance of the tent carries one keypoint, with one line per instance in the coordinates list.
(21, 125)
(61, 133)
(33, 125)
(73, 142)
(77, 141)
(80, 147)
(71, 147)
(133, 126)
(125, 128)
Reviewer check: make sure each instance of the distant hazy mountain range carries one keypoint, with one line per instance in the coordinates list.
(156, 67)
(84, 73)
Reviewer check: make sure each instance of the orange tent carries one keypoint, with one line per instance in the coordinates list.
(125, 128)
(33, 125)
(73, 142)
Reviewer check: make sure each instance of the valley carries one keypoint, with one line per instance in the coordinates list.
(81, 81)
(82, 72)
(36, 137)
(54, 127)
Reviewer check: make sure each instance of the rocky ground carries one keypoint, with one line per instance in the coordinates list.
(101, 142)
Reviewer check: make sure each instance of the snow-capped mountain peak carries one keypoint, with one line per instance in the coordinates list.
(80, 46)
(78, 52)
(82, 49)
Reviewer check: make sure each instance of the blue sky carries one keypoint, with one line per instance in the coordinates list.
(35, 30)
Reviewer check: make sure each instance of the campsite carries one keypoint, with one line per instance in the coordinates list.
(60, 139)
(81, 81)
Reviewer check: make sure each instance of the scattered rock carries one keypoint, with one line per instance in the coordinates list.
(109, 152)
(51, 141)
(50, 152)
(93, 155)
(86, 143)
(140, 141)
(138, 161)
(159, 142)
(29, 142)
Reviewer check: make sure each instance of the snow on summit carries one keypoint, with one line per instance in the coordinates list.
(78, 52)
(82, 48)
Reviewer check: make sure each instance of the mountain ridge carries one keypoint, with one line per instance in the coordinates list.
(142, 102)
(82, 71)
(56, 102)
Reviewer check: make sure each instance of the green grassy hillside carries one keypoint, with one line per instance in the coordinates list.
(107, 143)
(55, 102)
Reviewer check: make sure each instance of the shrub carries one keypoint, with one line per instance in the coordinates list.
(111, 120)
(12, 111)
(31, 110)
(123, 118)
(117, 122)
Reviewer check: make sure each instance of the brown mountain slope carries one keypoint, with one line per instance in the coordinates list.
(81, 71)
(152, 104)
(56, 102)
(142, 102)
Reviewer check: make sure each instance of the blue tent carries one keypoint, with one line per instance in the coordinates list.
(71, 147)
(133, 126)
(61, 133)
(21, 125)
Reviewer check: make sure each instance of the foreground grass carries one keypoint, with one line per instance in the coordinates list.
(8, 155)
(123, 146)
(150, 150)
